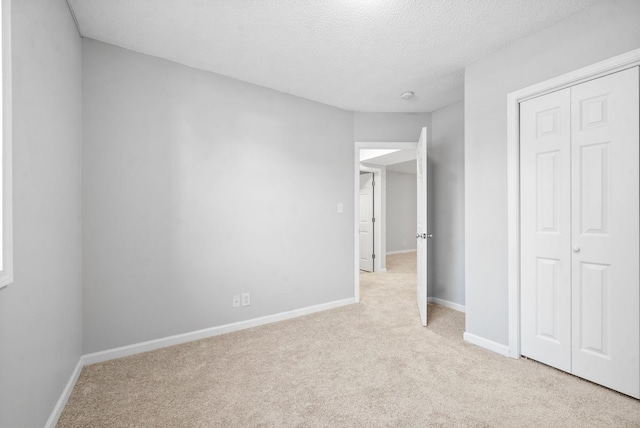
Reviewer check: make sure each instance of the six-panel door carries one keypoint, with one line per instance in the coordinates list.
(580, 300)
(366, 222)
(545, 169)
(605, 239)
(421, 227)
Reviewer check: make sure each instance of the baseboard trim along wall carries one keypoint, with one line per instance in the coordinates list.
(64, 397)
(446, 303)
(486, 344)
(390, 253)
(178, 339)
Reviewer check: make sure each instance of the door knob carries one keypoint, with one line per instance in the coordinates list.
(430, 236)
(576, 249)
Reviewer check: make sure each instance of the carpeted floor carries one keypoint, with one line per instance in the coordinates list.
(365, 365)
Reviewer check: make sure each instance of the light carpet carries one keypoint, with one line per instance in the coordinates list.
(365, 365)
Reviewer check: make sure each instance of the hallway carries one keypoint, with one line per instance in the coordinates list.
(394, 291)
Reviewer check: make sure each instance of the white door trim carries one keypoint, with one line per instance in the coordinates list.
(594, 71)
(356, 202)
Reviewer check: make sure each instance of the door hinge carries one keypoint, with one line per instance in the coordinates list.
(373, 183)
(373, 220)
(373, 256)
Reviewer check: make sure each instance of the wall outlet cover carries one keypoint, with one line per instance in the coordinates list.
(246, 299)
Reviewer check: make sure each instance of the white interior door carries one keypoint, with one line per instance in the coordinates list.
(545, 228)
(366, 221)
(421, 236)
(580, 238)
(605, 241)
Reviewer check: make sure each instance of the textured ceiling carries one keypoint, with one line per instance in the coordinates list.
(359, 55)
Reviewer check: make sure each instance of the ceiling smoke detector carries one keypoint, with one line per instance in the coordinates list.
(406, 95)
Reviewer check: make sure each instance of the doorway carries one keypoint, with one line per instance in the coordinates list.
(394, 150)
(371, 151)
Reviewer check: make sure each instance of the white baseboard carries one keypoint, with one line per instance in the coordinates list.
(447, 304)
(390, 253)
(64, 397)
(486, 344)
(151, 345)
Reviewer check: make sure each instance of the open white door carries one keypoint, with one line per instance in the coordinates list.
(366, 222)
(421, 236)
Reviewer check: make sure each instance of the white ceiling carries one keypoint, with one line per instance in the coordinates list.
(394, 160)
(408, 167)
(382, 157)
(358, 55)
(374, 153)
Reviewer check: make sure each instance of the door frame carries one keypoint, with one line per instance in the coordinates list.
(356, 204)
(618, 63)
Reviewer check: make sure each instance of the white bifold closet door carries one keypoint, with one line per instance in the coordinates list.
(545, 194)
(580, 240)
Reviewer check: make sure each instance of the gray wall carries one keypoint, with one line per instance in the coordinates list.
(604, 30)
(40, 313)
(197, 187)
(446, 161)
(389, 126)
(401, 211)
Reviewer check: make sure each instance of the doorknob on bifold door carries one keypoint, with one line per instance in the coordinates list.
(430, 236)
(576, 249)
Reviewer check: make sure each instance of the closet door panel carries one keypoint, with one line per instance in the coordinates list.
(545, 229)
(605, 236)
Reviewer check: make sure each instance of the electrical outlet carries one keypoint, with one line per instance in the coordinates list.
(236, 301)
(246, 299)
